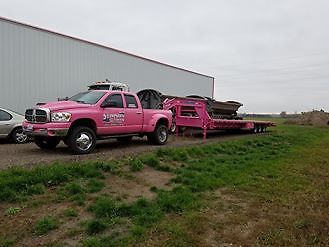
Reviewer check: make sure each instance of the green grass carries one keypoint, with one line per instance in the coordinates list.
(256, 165)
(94, 185)
(71, 212)
(17, 182)
(135, 165)
(45, 225)
(6, 241)
(13, 210)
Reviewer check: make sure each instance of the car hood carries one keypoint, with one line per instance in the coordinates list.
(63, 105)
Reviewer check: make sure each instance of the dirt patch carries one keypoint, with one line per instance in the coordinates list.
(132, 187)
(314, 118)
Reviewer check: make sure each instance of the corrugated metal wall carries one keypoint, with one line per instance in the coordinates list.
(39, 66)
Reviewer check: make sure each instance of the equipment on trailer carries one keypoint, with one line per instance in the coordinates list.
(153, 99)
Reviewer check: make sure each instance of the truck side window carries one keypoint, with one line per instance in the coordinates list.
(5, 116)
(115, 98)
(130, 101)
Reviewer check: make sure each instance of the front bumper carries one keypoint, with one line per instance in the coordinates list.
(46, 129)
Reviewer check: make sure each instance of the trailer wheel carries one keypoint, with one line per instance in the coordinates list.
(255, 129)
(159, 136)
(82, 140)
(47, 142)
(173, 124)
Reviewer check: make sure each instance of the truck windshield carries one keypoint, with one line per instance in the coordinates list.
(90, 97)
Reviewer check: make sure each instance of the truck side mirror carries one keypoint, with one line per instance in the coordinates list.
(106, 104)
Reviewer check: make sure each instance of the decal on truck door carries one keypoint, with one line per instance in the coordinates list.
(114, 119)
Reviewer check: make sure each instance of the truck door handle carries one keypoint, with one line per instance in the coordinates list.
(121, 112)
(138, 112)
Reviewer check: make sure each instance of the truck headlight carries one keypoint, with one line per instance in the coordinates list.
(60, 116)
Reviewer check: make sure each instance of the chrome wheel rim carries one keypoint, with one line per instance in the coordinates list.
(20, 137)
(173, 127)
(84, 141)
(162, 135)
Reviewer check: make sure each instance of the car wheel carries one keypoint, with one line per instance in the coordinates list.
(46, 142)
(82, 140)
(160, 135)
(18, 136)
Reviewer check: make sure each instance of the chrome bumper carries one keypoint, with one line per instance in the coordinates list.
(46, 132)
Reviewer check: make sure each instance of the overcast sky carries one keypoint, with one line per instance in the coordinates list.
(271, 55)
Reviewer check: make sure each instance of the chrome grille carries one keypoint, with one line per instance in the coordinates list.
(37, 115)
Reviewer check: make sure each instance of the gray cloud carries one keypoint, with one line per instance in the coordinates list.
(270, 55)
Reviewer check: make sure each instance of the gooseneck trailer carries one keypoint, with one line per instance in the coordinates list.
(192, 112)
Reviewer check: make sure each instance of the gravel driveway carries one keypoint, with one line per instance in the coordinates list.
(29, 154)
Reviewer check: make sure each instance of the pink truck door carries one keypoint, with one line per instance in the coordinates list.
(112, 114)
(133, 114)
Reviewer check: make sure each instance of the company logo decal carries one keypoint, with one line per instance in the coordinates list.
(114, 119)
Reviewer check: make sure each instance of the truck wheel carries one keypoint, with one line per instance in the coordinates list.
(47, 142)
(18, 136)
(81, 140)
(173, 127)
(159, 136)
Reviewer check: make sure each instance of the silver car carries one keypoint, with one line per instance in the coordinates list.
(11, 126)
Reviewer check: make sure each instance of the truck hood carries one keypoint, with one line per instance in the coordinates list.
(63, 105)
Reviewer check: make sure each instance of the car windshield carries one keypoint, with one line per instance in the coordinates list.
(90, 97)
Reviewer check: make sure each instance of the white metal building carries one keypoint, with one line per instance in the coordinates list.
(38, 65)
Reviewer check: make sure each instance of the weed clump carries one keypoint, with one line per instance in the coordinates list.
(135, 164)
(95, 185)
(96, 226)
(105, 207)
(70, 212)
(45, 225)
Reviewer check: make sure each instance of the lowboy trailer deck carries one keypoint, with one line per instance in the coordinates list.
(192, 112)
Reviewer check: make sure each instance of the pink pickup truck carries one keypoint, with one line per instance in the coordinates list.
(92, 115)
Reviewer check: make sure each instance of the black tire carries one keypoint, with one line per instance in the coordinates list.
(173, 126)
(255, 129)
(124, 139)
(81, 140)
(46, 142)
(18, 136)
(159, 136)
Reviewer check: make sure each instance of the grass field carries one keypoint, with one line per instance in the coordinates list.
(269, 189)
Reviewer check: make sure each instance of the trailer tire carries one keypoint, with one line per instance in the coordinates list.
(47, 142)
(159, 136)
(81, 140)
(255, 129)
